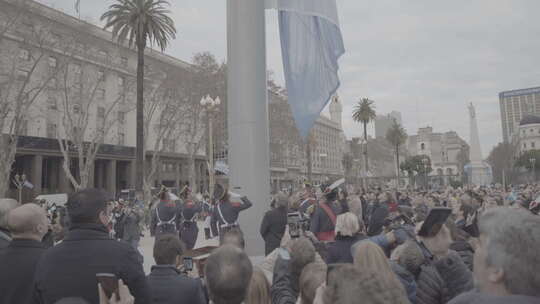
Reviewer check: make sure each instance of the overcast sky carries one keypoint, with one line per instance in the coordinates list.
(427, 59)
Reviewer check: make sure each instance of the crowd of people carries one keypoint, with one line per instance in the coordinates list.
(323, 245)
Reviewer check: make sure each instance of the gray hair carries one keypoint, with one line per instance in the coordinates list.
(6, 205)
(513, 243)
(282, 201)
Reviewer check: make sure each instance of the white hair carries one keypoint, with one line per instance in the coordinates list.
(347, 224)
(513, 243)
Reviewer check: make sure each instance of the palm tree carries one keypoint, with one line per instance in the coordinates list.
(396, 136)
(364, 112)
(139, 22)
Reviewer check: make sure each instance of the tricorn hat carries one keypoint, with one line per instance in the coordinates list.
(330, 191)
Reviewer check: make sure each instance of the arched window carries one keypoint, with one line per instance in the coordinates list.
(422, 146)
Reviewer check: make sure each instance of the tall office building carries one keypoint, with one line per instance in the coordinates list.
(384, 122)
(515, 105)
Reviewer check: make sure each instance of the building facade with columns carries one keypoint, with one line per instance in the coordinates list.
(38, 154)
(447, 151)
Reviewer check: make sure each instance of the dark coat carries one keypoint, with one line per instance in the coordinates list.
(457, 277)
(407, 280)
(339, 251)
(5, 238)
(162, 214)
(272, 228)
(482, 298)
(230, 211)
(168, 286)
(132, 229)
(282, 291)
(190, 230)
(442, 279)
(320, 221)
(376, 221)
(69, 269)
(17, 268)
(465, 251)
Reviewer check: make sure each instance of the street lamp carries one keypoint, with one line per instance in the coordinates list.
(19, 181)
(211, 106)
(533, 166)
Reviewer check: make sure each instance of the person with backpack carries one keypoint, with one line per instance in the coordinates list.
(166, 215)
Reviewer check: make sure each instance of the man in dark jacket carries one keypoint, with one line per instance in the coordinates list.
(274, 223)
(506, 263)
(167, 284)
(378, 215)
(28, 224)
(6, 205)
(69, 269)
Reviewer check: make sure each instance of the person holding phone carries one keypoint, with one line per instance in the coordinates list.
(69, 269)
(168, 279)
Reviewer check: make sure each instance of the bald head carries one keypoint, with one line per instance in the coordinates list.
(6, 205)
(28, 221)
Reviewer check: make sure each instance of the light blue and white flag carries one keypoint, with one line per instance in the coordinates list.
(311, 44)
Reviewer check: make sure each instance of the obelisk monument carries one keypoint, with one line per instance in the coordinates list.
(479, 171)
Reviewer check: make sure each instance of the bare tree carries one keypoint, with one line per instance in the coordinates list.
(86, 115)
(22, 82)
(161, 115)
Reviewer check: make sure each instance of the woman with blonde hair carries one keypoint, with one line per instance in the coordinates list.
(259, 288)
(369, 258)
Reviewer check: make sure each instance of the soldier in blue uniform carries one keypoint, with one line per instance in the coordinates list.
(166, 216)
(189, 230)
(308, 200)
(225, 214)
(323, 220)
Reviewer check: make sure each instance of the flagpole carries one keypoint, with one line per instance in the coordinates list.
(247, 112)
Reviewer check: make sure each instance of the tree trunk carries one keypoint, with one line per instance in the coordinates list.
(365, 148)
(140, 118)
(397, 165)
(309, 164)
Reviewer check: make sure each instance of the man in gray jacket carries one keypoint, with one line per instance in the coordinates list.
(506, 261)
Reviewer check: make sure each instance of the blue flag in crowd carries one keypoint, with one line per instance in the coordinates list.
(311, 44)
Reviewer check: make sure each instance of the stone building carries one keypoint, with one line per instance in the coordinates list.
(447, 151)
(93, 53)
(288, 154)
(527, 135)
(514, 106)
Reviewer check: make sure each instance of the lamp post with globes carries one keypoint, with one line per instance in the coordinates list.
(211, 107)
